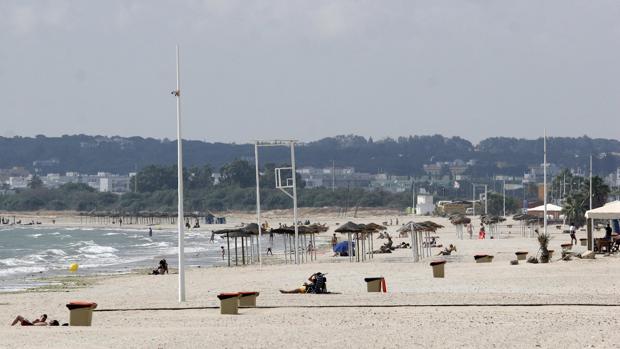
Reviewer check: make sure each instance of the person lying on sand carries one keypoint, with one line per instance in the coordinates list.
(42, 321)
(317, 284)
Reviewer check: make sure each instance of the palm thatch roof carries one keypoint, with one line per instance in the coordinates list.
(301, 229)
(422, 226)
(350, 227)
(373, 227)
(487, 219)
(459, 219)
(246, 230)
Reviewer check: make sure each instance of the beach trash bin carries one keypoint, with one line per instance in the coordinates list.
(483, 258)
(566, 247)
(374, 284)
(81, 313)
(584, 242)
(550, 253)
(248, 299)
(521, 255)
(229, 303)
(438, 268)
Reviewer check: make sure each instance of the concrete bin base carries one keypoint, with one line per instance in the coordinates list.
(483, 258)
(438, 268)
(81, 313)
(584, 242)
(521, 256)
(373, 284)
(566, 247)
(229, 303)
(248, 299)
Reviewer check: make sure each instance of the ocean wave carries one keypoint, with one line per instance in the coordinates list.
(21, 270)
(96, 249)
(35, 235)
(54, 251)
(99, 256)
(13, 262)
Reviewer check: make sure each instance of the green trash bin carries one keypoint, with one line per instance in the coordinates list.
(373, 284)
(438, 268)
(229, 303)
(81, 313)
(248, 299)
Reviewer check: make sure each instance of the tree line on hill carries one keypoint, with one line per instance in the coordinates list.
(400, 156)
(154, 189)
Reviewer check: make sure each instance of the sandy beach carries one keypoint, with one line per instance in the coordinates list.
(560, 304)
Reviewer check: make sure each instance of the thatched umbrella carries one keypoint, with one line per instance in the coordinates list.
(350, 228)
(527, 220)
(303, 231)
(459, 221)
(244, 232)
(418, 232)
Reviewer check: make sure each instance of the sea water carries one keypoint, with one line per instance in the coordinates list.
(30, 253)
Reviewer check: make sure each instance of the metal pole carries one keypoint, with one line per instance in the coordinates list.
(177, 93)
(473, 201)
(260, 233)
(545, 180)
(504, 196)
(591, 220)
(333, 175)
(412, 196)
(485, 200)
(294, 175)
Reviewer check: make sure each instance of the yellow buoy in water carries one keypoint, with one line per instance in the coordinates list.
(73, 267)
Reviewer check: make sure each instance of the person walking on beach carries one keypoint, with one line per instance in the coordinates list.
(334, 240)
(482, 233)
(150, 232)
(571, 230)
(223, 252)
(269, 251)
(470, 230)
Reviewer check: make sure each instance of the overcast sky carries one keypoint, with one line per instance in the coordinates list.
(311, 69)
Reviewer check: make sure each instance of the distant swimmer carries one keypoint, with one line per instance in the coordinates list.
(150, 231)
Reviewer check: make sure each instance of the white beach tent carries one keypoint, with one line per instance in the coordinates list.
(610, 210)
(541, 208)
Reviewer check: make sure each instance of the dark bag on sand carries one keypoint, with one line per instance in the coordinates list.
(319, 285)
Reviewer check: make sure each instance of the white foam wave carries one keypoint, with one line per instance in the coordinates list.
(96, 249)
(21, 270)
(13, 262)
(35, 235)
(56, 252)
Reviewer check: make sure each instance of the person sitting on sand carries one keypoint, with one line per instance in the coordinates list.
(42, 321)
(162, 269)
(317, 284)
(447, 251)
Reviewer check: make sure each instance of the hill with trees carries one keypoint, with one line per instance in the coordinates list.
(401, 156)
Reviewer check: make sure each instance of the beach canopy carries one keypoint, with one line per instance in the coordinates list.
(459, 220)
(422, 226)
(350, 227)
(610, 210)
(541, 208)
(372, 227)
(247, 230)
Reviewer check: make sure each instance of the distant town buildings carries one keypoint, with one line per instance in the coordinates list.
(19, 178)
